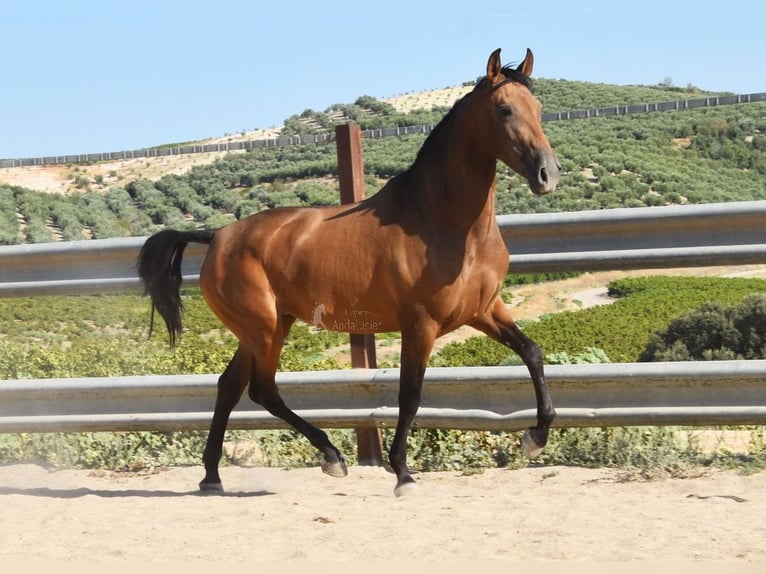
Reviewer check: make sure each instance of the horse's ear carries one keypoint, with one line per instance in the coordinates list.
(527, 64)
(493, 65)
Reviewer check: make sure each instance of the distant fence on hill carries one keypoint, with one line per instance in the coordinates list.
(619, 110)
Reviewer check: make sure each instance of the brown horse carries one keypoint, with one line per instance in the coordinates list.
(423, 256)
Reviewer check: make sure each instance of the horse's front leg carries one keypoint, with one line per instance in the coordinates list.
(500, 326)
(417, 343)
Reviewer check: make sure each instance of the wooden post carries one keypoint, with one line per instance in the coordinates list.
(348, 139)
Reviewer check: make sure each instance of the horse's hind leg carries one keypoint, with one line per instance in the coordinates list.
(231, 385)
(263, 390)
(500, 326)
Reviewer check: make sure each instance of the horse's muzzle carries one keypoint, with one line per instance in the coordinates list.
(543, 173)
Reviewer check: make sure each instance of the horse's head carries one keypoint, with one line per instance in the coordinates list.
(514, 132)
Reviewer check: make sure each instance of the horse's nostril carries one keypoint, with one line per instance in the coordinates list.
(543, 175)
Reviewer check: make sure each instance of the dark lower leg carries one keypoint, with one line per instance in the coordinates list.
(231, 385)
(334, 463)
(530, 353)
(213, 452)
(501, 327)
(416, 348)
(397, 454)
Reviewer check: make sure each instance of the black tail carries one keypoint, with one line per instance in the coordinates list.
(159, 267)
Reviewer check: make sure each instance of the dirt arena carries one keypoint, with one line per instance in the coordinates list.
(268, 514)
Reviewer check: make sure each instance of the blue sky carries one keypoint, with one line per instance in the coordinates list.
(89, 76)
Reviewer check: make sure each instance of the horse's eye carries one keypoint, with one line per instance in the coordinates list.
(504, 111)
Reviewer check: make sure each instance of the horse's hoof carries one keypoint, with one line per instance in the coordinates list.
(529, 446)
(334, 469)
(210, 487)
(406, 488)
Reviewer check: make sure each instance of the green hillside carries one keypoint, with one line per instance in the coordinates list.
(675, 157)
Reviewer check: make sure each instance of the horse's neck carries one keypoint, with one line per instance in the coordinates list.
(460, 194)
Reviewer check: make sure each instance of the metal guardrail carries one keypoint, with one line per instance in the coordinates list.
(478, 398)
(627, 238)
(637, 238)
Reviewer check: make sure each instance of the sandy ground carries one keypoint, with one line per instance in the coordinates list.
(103, 175)
(64, 178)
(267, 514)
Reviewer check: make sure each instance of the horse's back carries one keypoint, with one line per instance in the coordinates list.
(303, 258)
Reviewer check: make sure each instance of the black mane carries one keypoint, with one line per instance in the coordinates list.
(513, 75)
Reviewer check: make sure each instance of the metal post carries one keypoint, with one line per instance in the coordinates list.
(348, 138)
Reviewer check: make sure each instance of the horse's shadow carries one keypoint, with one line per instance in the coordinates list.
(71, 493)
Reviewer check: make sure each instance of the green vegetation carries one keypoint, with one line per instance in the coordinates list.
(621, 330)
(101, 336)
(639, 452)
(675, 157)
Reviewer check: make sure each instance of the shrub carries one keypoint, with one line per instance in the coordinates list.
(714, 332)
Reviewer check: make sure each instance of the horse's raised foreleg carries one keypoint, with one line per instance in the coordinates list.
(416, 348)
(500, 326)
(231, 385)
